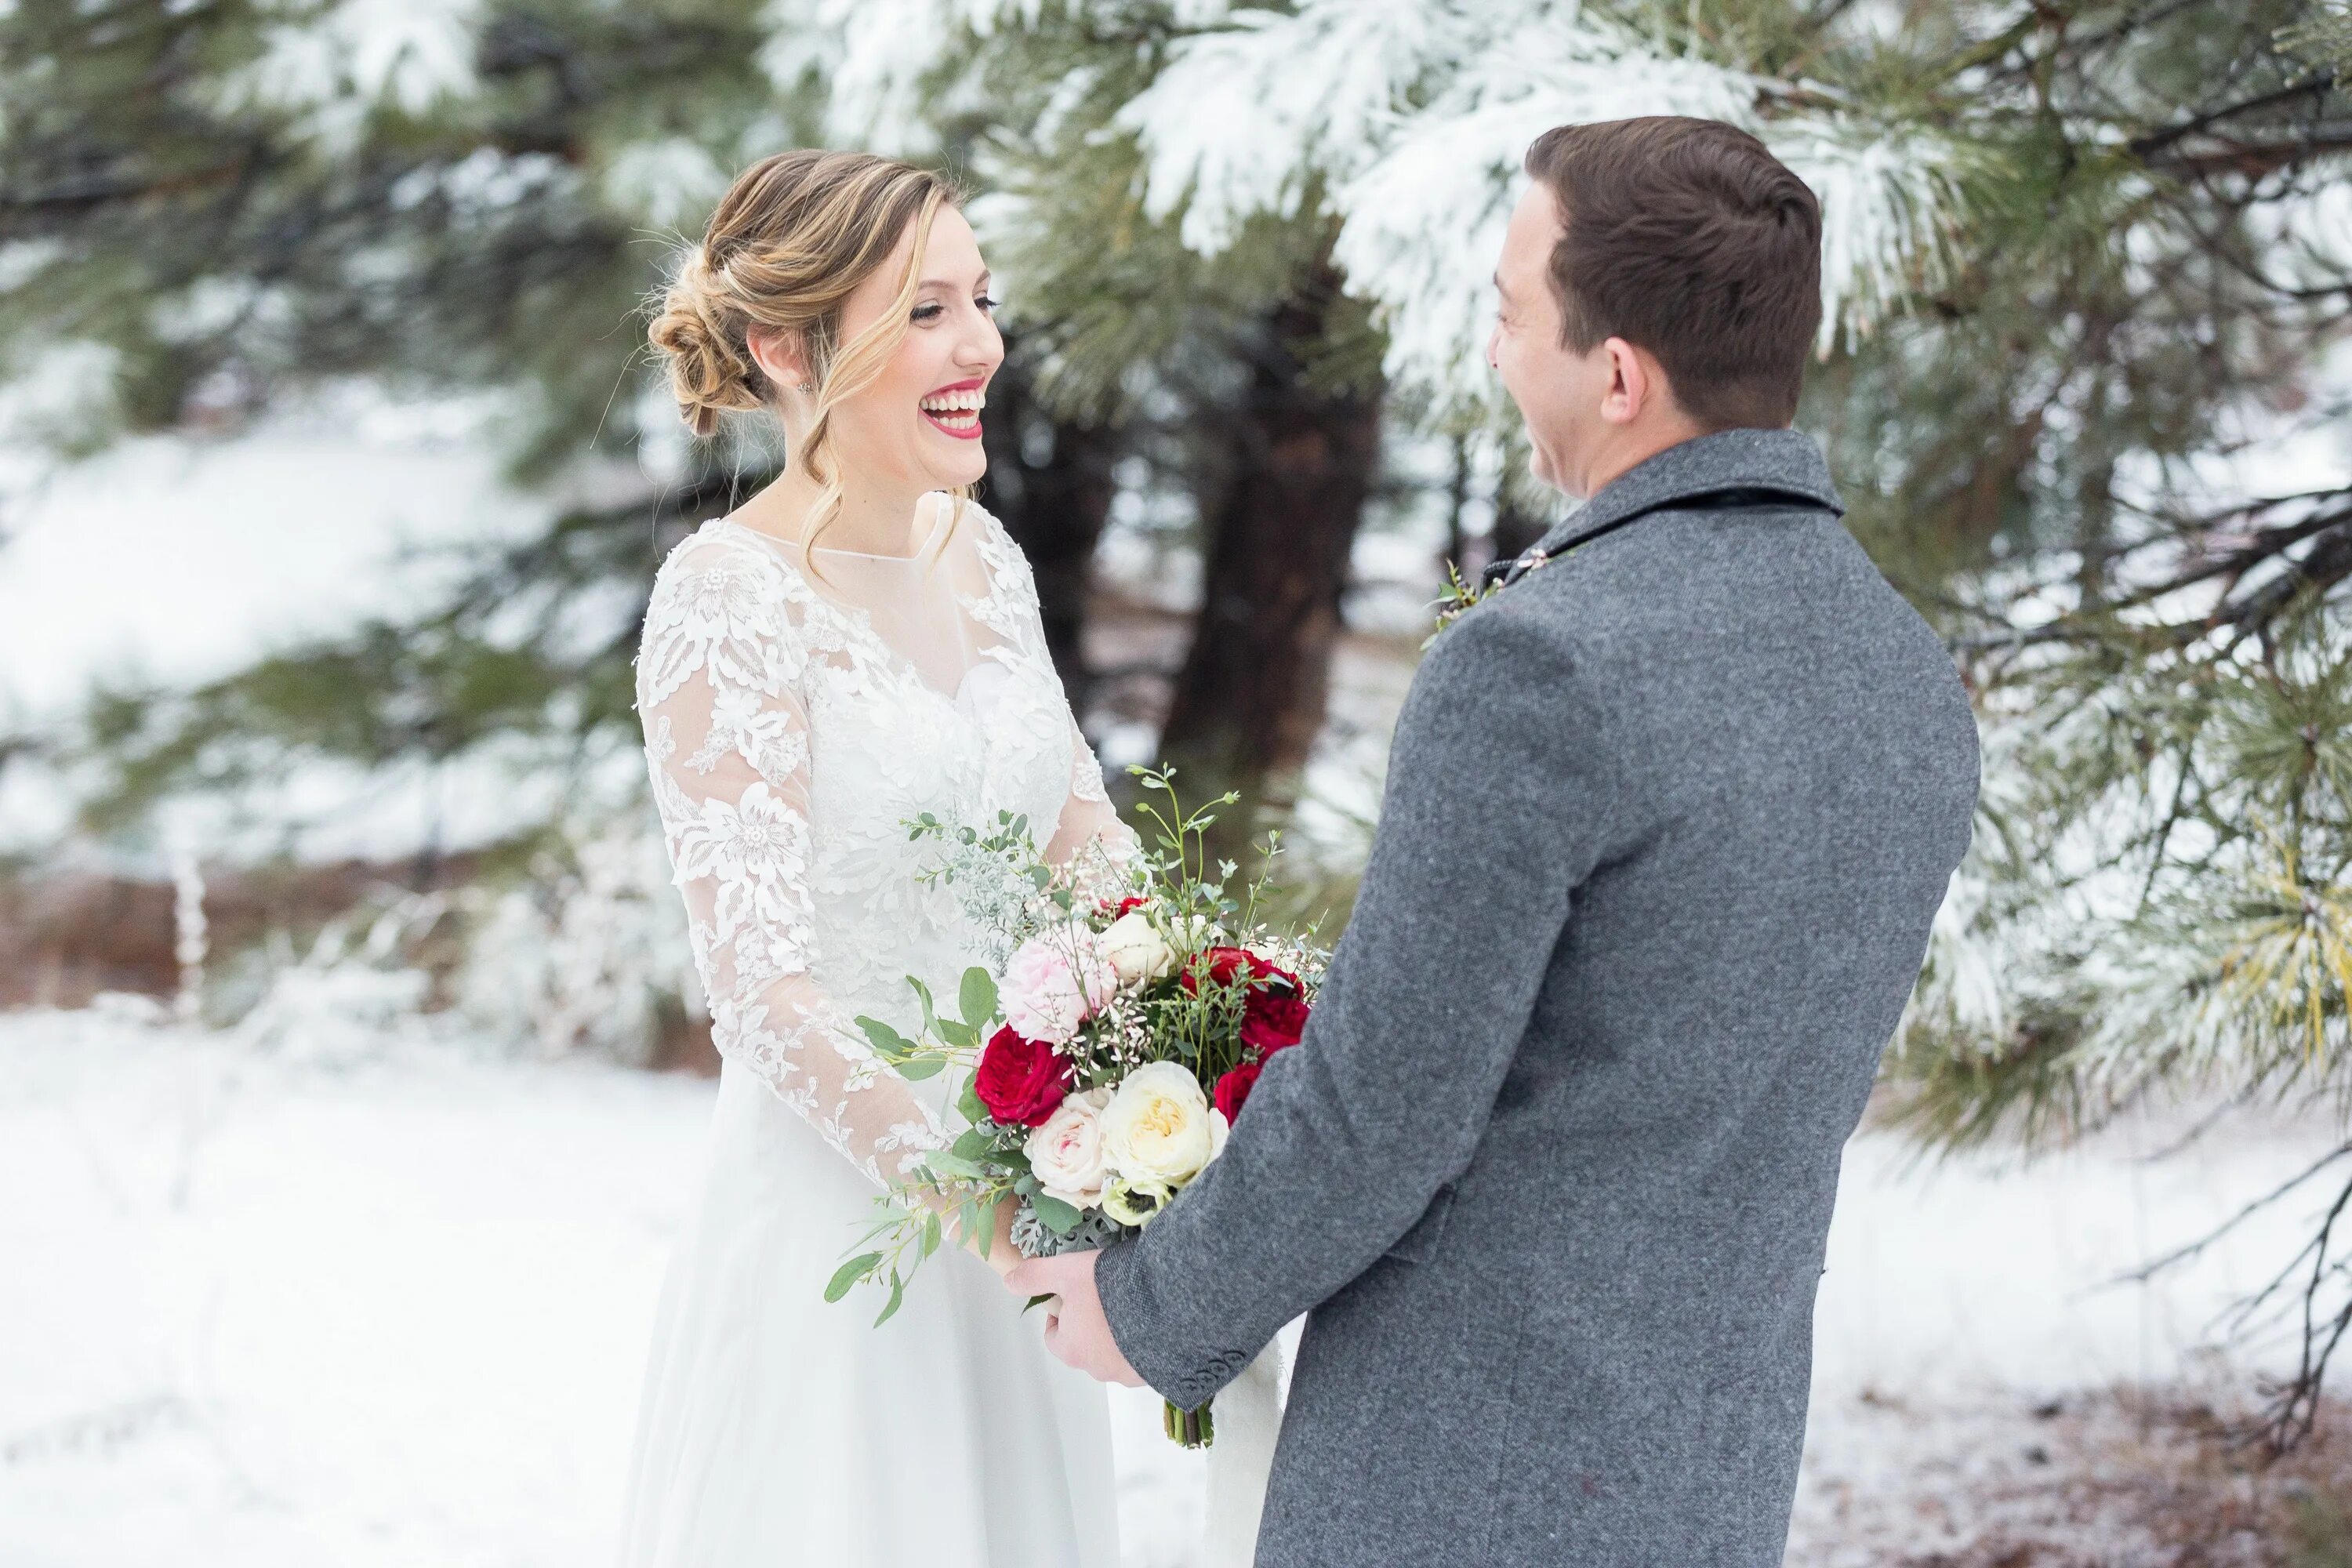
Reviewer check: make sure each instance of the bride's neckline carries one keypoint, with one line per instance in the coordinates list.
(894, 663)
(942, 507)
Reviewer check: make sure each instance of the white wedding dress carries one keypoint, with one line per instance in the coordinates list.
(796, 718)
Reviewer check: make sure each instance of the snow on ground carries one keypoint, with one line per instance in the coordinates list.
(389, 1307)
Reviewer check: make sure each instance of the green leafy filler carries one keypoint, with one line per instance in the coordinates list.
(1460, 596)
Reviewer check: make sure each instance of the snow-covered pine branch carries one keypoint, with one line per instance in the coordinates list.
(1411, 116)
(1414, 117)
(331, 66)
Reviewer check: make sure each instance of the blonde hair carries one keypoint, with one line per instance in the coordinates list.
(790, 241)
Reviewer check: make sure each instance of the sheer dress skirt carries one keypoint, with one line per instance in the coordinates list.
(779, 1430)
(798, 712)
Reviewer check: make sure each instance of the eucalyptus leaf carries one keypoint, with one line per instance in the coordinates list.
(948, 1165)
(978, 996)
(888, 1041)
(920, 1069)
(1055, 1214)
(849, 1274)
(930, 1013)
(897, 1294)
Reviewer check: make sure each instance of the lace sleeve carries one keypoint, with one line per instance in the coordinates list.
(719, 690)
(1098, 848)
(1089, 839)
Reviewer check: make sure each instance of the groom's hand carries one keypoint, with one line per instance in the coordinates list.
(1075, 1330)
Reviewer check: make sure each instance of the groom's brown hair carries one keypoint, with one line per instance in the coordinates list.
(1688, 238)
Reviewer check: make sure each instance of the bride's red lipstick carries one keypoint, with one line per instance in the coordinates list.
(961, 433)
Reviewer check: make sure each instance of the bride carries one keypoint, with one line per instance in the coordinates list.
(855, 645)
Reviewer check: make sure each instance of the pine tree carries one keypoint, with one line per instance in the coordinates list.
(1249, 237)
(1282, 221)
(2078, 252)
(208, 210)
(2157, 900)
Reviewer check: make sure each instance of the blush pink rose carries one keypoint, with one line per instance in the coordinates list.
(1056, 980)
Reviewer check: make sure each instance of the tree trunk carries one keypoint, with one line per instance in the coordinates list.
(1050, 482)
(1457, 500)
(1249, 697)
(1516, 531)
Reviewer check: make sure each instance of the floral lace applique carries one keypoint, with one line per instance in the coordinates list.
(787, 743)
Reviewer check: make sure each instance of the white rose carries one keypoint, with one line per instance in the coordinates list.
(1066, 1153)
(1157, 1129)
(1137, 950)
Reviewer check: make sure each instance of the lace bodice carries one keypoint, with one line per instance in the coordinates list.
(796, 716)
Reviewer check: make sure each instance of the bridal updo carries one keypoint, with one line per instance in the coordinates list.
(790, 241)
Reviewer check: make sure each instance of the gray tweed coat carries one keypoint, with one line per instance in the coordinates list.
(1665, 824)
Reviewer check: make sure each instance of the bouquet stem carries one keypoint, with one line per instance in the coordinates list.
(1189, 1428)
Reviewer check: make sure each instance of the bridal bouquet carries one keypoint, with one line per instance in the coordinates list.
(1103, 1074)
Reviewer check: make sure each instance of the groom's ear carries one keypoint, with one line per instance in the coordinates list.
(1637, 382)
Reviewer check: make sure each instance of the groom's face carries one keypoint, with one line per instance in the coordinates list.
(1559, 392)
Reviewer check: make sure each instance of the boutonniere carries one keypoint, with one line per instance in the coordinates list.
(1460, 596)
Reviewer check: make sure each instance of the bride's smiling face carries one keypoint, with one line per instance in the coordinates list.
(919, 425)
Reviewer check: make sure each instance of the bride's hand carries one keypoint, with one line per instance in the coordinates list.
(1002, 1256)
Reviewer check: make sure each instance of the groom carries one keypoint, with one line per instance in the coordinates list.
(1666, 820)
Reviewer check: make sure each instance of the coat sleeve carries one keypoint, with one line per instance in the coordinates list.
(1499, 801)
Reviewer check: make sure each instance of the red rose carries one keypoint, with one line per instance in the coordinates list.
(1131, 901)
(1021, 1081)
(1273, 976)
(1223, 961)
(1273, 1022)
(1273, 1018)
(1235, 1088)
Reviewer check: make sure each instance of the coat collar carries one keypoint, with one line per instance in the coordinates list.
(1782, 465)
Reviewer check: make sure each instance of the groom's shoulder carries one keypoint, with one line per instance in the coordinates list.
(1695, 568)
(1579, 606)
(1690, 581)
(1516, 636)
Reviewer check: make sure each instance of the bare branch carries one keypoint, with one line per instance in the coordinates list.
(2147, 1271)
(2314, 86)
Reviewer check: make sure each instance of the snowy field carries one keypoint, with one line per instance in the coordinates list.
(388, 1306)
